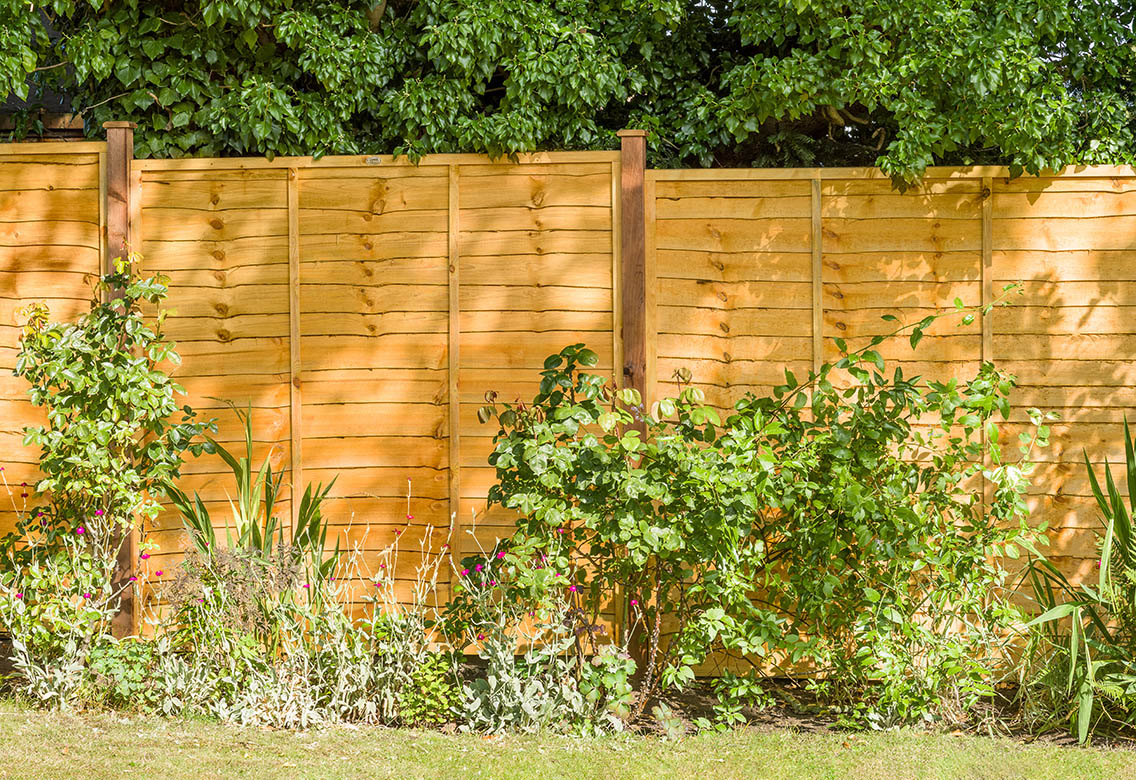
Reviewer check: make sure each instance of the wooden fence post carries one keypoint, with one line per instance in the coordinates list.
(632, 304)
(633, 258)
(120, 151)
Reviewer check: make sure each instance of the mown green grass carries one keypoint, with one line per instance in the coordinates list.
(51, 745)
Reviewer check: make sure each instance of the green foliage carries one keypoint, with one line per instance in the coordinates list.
(1082, 661)
(432, 694)
(735, 82)
(122, 674)
(111, 440)
(255, 526)
(838, 524)
(544, 666)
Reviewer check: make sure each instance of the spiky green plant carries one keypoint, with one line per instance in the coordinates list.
(1083, 646)
(254, 525)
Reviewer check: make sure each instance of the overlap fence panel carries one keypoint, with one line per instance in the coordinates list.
(362, 307)
(51, 240)
(755, 271)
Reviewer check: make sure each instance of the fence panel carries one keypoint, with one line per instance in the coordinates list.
(51, 242)
(738, 298)
(362, 307)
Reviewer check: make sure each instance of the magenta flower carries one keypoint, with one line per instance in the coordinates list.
(410, 517)
(481, 636)
(144, 556)
(19, 595)
(634, 602)
(376, 584)
(80, 530)
(98, 513)
(158, 573)
(86, 595)
(465, 572)
(479, 567)
(557, 574)
(572, 588)
(492, 582)
(305, 585)
(134, 579)
(397, 531)
(500, 555)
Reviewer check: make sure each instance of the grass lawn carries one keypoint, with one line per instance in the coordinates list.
(44, 745)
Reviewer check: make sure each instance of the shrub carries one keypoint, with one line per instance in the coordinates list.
(837, 524)
(1080, 667)
(260, 632)
(114, 434)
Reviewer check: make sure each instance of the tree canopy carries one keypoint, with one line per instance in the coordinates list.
(899, 83)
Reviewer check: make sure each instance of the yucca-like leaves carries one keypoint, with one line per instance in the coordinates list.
(1097, 646)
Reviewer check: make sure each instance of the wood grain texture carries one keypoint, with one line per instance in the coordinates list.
(396, 294)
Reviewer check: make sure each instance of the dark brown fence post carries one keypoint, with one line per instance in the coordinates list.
(633, 258)
(120, 151)
(633, 312)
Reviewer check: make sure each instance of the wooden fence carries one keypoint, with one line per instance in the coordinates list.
(362, 306)
(52, 207)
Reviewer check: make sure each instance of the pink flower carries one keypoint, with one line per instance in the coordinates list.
(481, 636)
(305, 585)
(98, 513)
(557, 574)
(465, 572)
(134, 579)
(201, 601)
(382, 565)
(19, 595)
(158, 573)
(376, 584)
(572, 588)
(500, 555)
(80, 530)
(492, 582)
(86, 595)
(634, 602)
(397, 531)
(410, 517)
(446, 546)
(145, 556)
(479, 567)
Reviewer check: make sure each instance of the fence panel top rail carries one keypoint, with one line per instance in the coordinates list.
(370, 161)
(934, 172)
